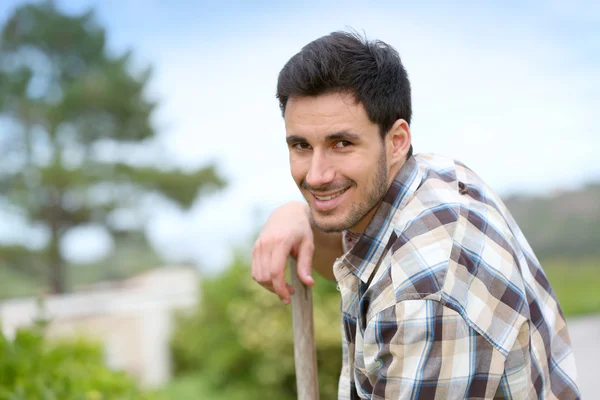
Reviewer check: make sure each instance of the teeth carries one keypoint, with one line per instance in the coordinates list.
(329, 197)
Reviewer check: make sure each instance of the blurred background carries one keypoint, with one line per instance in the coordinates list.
(142, 148)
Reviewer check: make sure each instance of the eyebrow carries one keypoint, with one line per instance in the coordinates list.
(292, 139)
(342, 135)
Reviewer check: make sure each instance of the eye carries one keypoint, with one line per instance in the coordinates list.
(342, 144)
(301, 146)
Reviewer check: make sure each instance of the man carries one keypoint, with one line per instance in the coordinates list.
(442, 296)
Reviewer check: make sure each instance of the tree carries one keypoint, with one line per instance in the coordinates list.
(63, 96)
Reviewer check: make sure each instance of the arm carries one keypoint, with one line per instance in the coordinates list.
(421, 349)
(289, 231)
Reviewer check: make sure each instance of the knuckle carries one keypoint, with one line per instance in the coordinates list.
(277, 271)
(259, 278)
(276, 282)
(279, 238)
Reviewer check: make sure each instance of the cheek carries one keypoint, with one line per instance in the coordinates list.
(298, 168)
(355, 168)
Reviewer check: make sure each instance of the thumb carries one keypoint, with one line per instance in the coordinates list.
(305, 256)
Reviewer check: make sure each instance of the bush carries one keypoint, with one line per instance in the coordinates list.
(32, 367)
(239, 342)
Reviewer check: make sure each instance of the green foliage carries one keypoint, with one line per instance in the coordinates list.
(239, 342)
(576, 283)
(64, 97)
(566, 224)
(31, 367)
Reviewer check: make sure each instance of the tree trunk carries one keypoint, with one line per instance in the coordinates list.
(57, 267)
(58, 273)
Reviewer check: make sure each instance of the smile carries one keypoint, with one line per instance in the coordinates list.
(331, 196)
(328, 201)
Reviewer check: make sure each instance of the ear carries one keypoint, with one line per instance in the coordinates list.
(398, 142)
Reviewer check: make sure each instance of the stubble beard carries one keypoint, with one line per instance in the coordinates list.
(359, 210)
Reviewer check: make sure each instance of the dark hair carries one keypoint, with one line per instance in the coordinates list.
(346, 62)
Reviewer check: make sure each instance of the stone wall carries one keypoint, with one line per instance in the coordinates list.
(133, 319)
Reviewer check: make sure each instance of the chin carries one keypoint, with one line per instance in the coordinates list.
(328, 225)
(330, 229)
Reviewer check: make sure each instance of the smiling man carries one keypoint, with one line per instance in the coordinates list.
(339, 160)
(442, 296)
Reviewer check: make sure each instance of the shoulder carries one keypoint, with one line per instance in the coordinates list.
(453, 243)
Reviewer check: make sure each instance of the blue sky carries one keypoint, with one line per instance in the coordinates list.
(510, 89)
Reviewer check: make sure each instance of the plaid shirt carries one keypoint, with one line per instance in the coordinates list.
(443, 298)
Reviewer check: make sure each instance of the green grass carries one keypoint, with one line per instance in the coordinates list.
(577, 285)
(197, 387)
(128, 260)
(188, 387)
(14, 284)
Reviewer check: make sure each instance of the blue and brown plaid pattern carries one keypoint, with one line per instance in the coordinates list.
(443, 298)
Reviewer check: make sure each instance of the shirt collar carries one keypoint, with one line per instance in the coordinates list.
(364, 256)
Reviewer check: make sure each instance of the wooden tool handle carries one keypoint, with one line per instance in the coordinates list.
(305, 355)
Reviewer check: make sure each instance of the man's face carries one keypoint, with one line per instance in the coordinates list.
(337, 159)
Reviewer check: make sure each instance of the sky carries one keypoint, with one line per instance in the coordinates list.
(510, 89)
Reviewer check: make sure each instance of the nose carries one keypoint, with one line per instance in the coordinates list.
(320, 172)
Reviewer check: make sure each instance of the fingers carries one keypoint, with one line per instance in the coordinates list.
(268, 268)
(278, 264)
(305, 256)
(270, 288)
(265, 262)
(260, 270)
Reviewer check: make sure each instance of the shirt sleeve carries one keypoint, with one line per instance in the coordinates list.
(422, 349)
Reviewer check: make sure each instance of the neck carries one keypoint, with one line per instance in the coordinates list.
(361, 226)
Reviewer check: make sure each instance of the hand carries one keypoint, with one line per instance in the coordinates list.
(287, 231)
